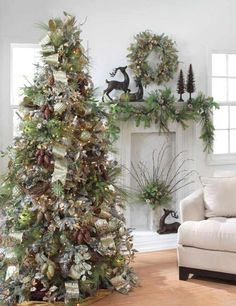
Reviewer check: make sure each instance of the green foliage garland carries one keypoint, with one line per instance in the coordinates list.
(161, 107)
(145, 43)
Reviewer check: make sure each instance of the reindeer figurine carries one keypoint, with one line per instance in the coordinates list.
(165, 228)
(117, 84)
(134, 96)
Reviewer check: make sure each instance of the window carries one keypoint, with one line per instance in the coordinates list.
(24, 58)
(223, 80)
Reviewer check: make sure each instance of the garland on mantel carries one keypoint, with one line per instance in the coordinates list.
(162, 107)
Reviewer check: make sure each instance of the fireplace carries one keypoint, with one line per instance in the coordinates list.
(138, 143)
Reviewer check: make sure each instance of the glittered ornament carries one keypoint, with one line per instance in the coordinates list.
(17, 191)
(26, 217)
(59, 108)
(118, 260)
(50, 271)
(85, 136)
(101, 225)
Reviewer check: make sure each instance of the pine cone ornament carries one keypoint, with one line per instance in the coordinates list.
(47, 111)
(51, 80)
(82, 235)
(82, 84)
(43, 157)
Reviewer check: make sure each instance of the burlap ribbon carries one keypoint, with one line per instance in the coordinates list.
(60, 76)
(60, 164)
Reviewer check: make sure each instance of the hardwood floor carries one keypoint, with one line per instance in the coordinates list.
(160, 286)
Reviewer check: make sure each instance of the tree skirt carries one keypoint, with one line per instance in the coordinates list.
(89, 301)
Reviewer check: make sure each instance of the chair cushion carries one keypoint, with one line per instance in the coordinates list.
(219, 195)
(217, 233)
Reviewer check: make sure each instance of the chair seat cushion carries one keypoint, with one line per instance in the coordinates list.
(216, 233)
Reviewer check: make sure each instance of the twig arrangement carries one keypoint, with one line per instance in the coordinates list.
(157, 186)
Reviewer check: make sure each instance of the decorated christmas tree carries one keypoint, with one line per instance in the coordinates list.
(63, 235)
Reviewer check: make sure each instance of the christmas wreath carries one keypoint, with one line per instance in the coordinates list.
(145, 43)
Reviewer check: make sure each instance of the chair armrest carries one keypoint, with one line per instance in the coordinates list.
(192, 207)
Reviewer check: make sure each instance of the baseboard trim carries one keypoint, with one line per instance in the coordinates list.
(185, 271)
(148, 241)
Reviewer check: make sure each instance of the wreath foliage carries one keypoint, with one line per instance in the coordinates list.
(145, 43)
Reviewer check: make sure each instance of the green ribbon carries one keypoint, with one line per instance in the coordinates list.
(60, 164)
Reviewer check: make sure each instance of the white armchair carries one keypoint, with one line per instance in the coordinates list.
(206, 246)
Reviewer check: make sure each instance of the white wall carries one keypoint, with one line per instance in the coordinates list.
(197, 26)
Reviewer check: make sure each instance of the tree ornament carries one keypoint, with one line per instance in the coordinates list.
(190, 86)
(52, 25)
(59, 108)
(181, 86)
(43, 157)
(52, 59)
(82, 235)
(51, 80)
(26, 217)
(50, 271)
(17, 191)
(118, 260)
(47, 111)
(139, 51)
(82, 84)
(85, 136)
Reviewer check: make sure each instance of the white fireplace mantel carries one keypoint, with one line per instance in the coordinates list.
(134, 139)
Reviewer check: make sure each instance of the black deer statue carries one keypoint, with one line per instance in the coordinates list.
(168, 228)
(133, 96)
(117, 84)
